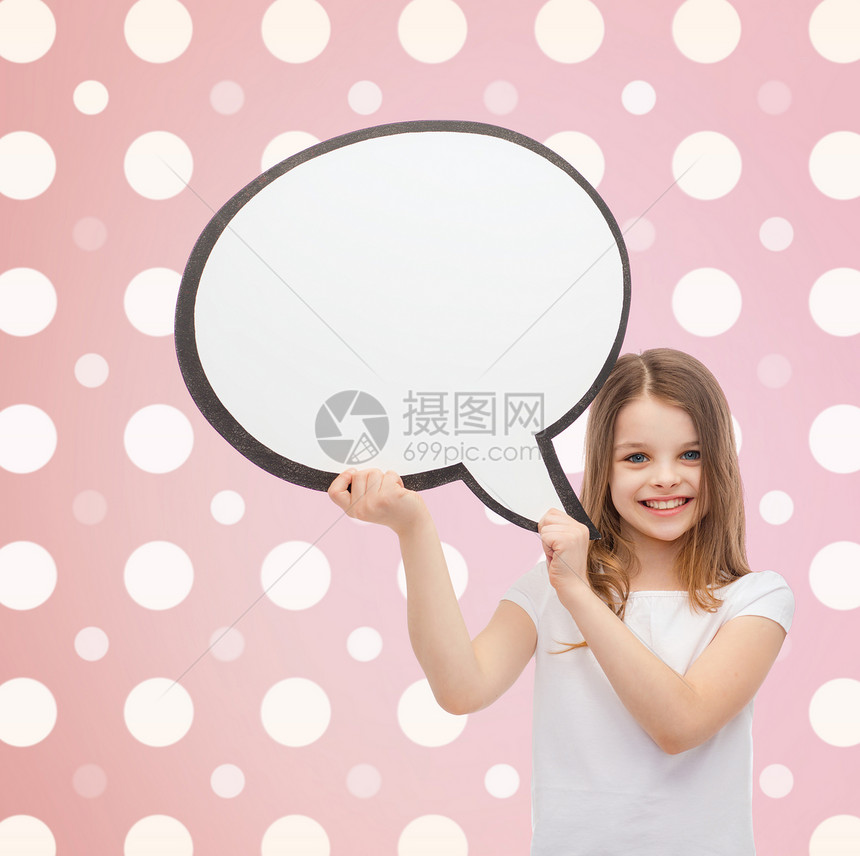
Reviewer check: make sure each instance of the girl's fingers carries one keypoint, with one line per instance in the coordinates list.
(391, 478)
(338, 490)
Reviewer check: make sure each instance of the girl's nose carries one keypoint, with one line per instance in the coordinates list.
(665, 475)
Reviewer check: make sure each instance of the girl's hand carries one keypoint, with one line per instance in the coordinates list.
(378, 497)
(565, 543)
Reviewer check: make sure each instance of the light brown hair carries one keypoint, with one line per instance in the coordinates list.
(712, 552)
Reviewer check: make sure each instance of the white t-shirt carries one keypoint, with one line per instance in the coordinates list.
(600, 785)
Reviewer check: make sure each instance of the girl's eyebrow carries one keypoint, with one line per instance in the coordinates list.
(639, 445)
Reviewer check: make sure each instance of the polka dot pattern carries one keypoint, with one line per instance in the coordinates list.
(432, 31)
(569, 31)
(706, 31)
(27, 165)
(149, 119)
(28, 712)
(295, 712)
(706, 302)
(28, 302)
(158, 712)
(423, 721)
(707, 165)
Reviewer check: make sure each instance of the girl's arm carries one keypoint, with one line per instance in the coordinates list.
(465, 675)
(678, 712)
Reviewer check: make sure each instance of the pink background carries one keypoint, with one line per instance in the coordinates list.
(774, 407)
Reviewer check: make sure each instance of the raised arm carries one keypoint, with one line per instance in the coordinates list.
(678, 711)
(464, 674)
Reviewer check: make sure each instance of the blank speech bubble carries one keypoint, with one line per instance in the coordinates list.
(436, 298)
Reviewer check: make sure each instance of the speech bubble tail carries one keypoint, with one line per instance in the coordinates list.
(523, 487)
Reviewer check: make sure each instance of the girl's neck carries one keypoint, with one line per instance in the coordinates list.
(654, 567)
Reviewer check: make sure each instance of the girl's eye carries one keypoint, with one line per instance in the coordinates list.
(691, 455)
(637, 458)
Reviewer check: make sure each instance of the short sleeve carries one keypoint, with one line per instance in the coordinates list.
(763, 593)
(530, 591)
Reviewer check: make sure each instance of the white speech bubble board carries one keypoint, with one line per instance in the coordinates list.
(435, 298)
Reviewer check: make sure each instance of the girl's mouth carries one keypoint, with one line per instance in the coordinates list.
(666, 504)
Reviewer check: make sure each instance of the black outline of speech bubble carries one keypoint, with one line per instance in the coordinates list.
(229, 428)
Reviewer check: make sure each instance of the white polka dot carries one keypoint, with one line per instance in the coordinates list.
(28, 712)
(227, 644)
(706, 302)
(28, 438)
(158, 30)
(29, 831)
(295, 712)
(28, 575)
(158, 834)
(837, 836)
(364, 644)
(295, 834)
(739, 436)
(90, 97)
(835, 302)
(89, 781)
(158, 712)
(89, 507)
(706, 165)
(423, 721)
(364, 97)
(91, 643)
(158, 438)
(158, 165)
(28, 302)
(776, 507)
(457, 569)
(501, 97)
(91, 370)
(296, 30)
(638, 97)
(285, 146)
(833, 438)
(581, 152)
(27, 30)
(774, 97)
(363, 781)
(158, 575)
(89, 234)
(432, 834)
(639, 234)
(706, 30)
(570, 445)
(227, 97)
(150, 301)
(834, 575)
(502, 781)
(776, 233)
(227, 781)
(227, 507)
(834, 30)
(835, 712)
(774, 371)
(27, 165)
(834, 165)
(776, 781)
(569, 30)
(296, 575)
(432, 30)
(496, 518)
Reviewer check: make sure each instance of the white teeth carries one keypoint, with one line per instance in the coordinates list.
(664, 504)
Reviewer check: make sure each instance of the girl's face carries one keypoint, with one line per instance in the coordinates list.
(656, 471)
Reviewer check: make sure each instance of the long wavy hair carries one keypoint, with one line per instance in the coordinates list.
(712, 552)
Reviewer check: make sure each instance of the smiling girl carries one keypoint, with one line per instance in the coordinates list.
(650, 643)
